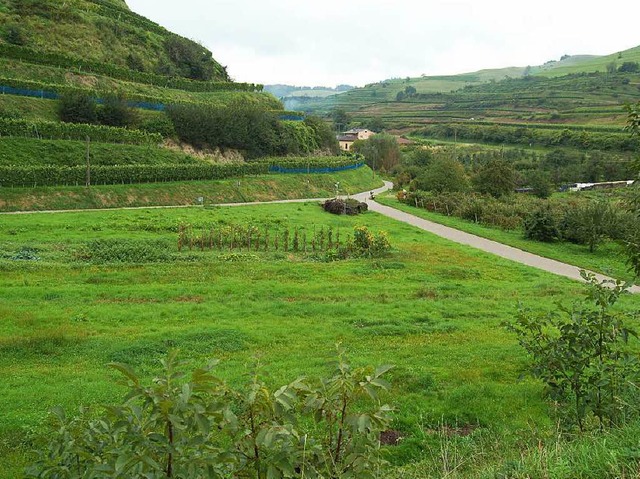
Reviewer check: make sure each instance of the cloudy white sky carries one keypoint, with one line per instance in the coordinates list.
(332, 42)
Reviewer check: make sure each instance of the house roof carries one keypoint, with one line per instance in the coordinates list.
(347, 138)
(356, 130)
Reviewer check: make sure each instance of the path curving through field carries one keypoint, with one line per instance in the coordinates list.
(498, 249)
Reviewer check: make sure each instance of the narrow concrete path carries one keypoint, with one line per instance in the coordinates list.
(499, 249)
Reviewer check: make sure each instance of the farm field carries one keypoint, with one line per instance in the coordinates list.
(608, 259)
(431, 308)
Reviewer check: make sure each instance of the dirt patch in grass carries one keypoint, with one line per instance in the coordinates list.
(189, 299)
(81, 80)
(390, 437)
(127, 301)
(450, 431)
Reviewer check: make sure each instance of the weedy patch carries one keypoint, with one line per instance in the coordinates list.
(211, 343)
(125, 251)
(26, 253)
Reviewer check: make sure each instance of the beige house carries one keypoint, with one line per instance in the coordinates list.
(347, 139)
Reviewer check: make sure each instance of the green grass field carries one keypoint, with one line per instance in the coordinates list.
(431, 308)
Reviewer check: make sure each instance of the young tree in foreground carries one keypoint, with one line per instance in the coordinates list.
(633, 240)
(582, 354)
(191, 426)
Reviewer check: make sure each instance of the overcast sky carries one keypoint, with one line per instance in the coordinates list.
(332, 42)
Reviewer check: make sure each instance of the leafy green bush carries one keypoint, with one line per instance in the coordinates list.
(297, 138)
(583, 357)
(160, 125)
(115, 111)
(241, 126)
(16, 35)
(589, 223)
(367, 244)
(195, 426)
(76, 107)
(126, 251)
(541, 225)
(251, 128)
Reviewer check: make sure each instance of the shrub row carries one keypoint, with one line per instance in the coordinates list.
(76, 131)
(83, 65)
(34, 176)
(577, 220)
(312, 161)
(475, 207)
(39, 89)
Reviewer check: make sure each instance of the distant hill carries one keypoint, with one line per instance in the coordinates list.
(587, 63)
(291, 96)
(540, 94)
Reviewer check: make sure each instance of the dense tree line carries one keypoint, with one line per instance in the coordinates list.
(532, 136)
(249, 128)
(543, 171)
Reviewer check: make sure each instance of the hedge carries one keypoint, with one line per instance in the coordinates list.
(38, 89)
(87, 66)
(35, 176)
(76, 131)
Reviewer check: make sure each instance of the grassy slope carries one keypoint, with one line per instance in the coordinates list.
(28, 108)
(427, 309)
(589, 64)
(80, 27)
(607, 259)
(255, 188)
(25, 151)
(58, 76)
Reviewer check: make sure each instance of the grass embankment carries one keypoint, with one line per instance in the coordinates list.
(30, 152)
(607, 259)
(432, 308)
(246, 189)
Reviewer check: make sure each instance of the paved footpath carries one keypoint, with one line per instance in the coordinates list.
(457, 236)
(499, 249)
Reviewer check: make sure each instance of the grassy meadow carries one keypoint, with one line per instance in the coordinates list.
(431, 308)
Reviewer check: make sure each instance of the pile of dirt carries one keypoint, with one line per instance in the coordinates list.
(338, 206)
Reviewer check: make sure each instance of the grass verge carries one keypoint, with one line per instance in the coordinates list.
(246, 189)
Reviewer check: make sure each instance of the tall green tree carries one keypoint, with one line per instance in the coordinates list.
(77, 107)
(380, 151)
(443, 174)
(341, 119)
(497, 177)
